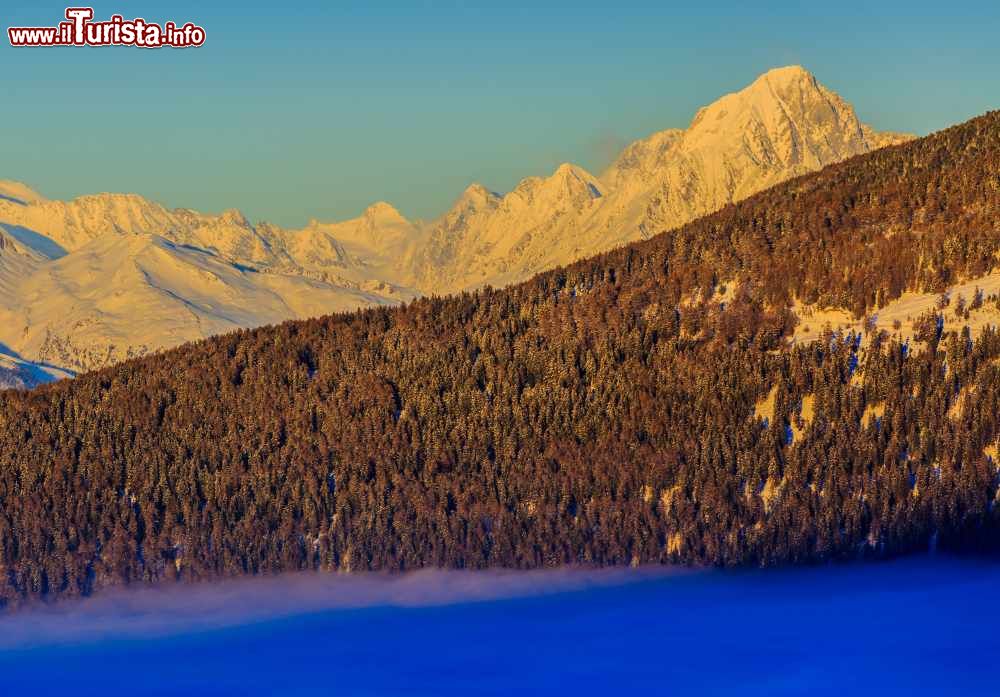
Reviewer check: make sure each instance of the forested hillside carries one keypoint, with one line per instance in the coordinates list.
(641, 406)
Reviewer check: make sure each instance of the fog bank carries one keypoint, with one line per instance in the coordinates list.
(137, 612)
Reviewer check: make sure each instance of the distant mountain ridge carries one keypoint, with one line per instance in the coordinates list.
(783, 125)
(78, 293)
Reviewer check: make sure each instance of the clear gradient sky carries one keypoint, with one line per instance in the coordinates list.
(295, 110)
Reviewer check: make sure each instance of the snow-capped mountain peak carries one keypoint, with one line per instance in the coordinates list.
(384, 212)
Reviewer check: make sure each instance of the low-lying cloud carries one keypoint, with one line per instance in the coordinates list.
(145, 612)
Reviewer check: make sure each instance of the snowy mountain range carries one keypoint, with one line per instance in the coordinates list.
(104, 277)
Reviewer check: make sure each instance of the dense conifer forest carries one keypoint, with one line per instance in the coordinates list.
(617, 411)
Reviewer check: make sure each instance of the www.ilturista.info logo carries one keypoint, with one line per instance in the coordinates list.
(79, 30)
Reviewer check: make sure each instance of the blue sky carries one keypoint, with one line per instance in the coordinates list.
(316, 109)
